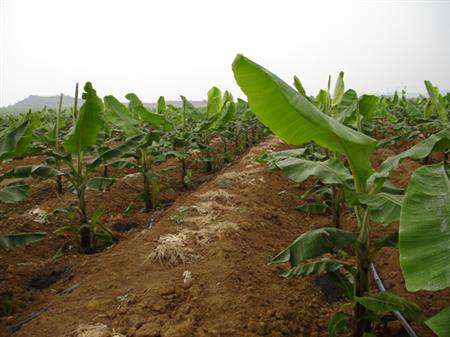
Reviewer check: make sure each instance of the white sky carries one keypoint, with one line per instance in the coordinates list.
(173, 47)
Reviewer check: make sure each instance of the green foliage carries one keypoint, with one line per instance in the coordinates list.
(13, 193)
(214, 102)
(12, 241)
(296, 120)
(424, 233)
(88, 123)
(313, 244)
(339, 90)
(317, 267)
(11, 140)
(331, 171)
(440, 323)
(385, 302)
(338, 323)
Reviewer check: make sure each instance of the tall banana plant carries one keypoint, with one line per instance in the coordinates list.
(293, 118)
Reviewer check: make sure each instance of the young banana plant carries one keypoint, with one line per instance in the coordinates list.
(143, 129)
(219, 113)
(79, 141)
(293, 118)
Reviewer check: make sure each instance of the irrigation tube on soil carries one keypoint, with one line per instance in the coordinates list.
(397, 314)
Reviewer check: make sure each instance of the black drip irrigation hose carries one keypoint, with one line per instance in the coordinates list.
(19, 325)
(397, 314)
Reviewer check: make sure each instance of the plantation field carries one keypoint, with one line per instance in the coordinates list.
(270, 216)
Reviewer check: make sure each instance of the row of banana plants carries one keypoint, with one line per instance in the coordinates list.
(335, 130)
(81, 144)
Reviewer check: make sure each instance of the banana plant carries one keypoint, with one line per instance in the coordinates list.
(220, 112)
(143, 130)
(80, 140)
(184, 140)
(293, 118)
(437, 103)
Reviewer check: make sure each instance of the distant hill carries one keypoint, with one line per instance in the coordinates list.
(36, 103)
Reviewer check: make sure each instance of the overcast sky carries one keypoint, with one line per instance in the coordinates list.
(173, 47)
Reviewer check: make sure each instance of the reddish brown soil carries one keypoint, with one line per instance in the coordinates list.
(233, 222)
(22, 270)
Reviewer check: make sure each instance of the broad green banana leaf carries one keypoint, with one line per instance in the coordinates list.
(440, 323)
(331, 171)
(313, 244)
(347, 108)
(35, 171)
(241, 106)
(19, 240)
(13, 193)
(134, 102)
(227, 114)
(126, 147)
(386, 301)
(100, 183)
(139, 111)
(424, 233)
(88, 123)
(149, 117)
(384, 207)
(296, 120)
(26, 139)
(322, 100)
(189, 110)
(317, 267)
(276, 156)
(227, 97)
(436, 142)
(367, 105)
(10, 138)
(214, 104)
(120, 116)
